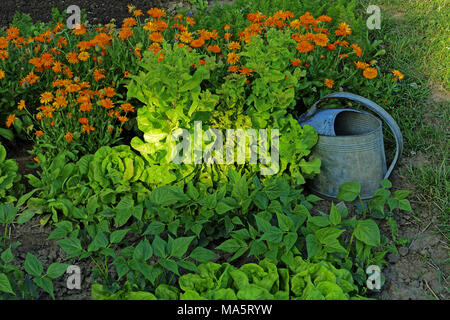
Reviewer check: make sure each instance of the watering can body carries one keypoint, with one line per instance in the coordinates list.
(350, 146)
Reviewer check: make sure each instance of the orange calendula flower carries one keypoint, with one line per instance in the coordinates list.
(60, 101)
(122, 118)
(156, 37)
(320, 39)
(125, 33)
(305, 46)
(296, 62)
(10, 120)
(329, 83)
(324, 18)
(57, 67)
(2, 74)
(21, 105)
(46, 97)
(129, 22)
(98, 75)
(126, 74)
(87, 128)
(156, 13)
(38, 133)
(331, 47)
(72, 57)
(107, 103)
(83, 56)
(186, 37)
(4, 55)
(79, 29)
(83, 121)
(370, 73)
(226, 27)
(3, 43)
(12, 33)
(126, 107)
(197, 43)
(227, 36)
(246, 71)
(154, 47)
(232, 58)
(138, 13)
(69, 136)
(398, 75)
(214, 48)
(233, 69)
(109, 92)
(357, 50)
(361, 65)
(343, 29)
(190, 21)
(233, 45)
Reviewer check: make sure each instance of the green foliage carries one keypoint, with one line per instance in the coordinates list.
(9, 178)
(299, 280)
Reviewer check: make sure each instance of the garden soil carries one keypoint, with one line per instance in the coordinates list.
(418, 271)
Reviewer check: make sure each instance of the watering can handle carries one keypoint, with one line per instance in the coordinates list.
(373, 107)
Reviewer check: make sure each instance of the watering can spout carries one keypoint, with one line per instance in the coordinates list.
(350, 145)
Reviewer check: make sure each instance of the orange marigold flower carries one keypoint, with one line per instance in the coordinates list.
(10, 120)
(57, 67)
(233, 69)
(227, 36)
(126, 74)
(154, 47)
(305, 46)
(156, 37)
(83, 56)
(296, 62)
(79, 29)
(343, 29)
(3, 43)
(38, 133)
(98, 75)
(129, 22)
(320, 39)
(197, 43)
(246, 71)
(60, 101)
(156, 13)
(232, 58)
(4, 55)
(86, 107)
(138, 13)
(82, 120)
(331, 47)
(122, 118)
(202, 62)
(21, 105)
(357, 50)
(226, 27)
(87, 128)
(233, 45)
(186, 37)
(398, 75)
(214, 48)
(69, 136)
(36, 159)
(125, 33)
(107, 103)
(307, 19)
(46, 97)
(370, 73)
(324, 18)
(109, 92)
(12, 33)
(72, 57)
(361, 65)
(2, 74)
(126, 107)
(190, 21)
(329, 83)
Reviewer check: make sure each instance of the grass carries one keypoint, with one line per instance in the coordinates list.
(415, 35)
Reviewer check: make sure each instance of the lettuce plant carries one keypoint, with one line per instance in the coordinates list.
(9, 177)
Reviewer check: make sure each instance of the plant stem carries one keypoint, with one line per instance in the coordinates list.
(350, 245)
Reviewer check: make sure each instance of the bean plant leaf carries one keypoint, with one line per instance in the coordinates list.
(5, 285)
(33, 266)
(180, 246)
(202, 255)
(56, 269)
(349, 191)
(368, 232)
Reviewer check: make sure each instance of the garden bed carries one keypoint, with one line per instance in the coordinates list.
(152, 184)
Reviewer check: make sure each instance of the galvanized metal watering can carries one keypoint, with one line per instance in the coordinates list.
(350, 145)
